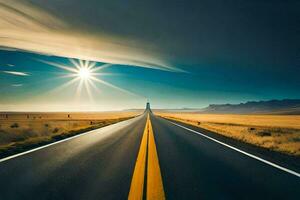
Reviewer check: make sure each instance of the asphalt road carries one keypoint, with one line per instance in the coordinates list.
(97, 165)
(100, 165)
(194, 167)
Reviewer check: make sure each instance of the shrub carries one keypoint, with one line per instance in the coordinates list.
(55, 130)
(263, 133)
(296, 139)
(14, 125)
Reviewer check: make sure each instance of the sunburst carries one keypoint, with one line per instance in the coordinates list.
(87, 75)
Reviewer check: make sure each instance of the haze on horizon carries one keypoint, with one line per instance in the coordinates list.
(176, 54)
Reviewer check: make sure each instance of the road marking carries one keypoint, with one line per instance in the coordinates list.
(155, 189)
(60, 141)
(241, 151)
(137, 181)
(147, 154)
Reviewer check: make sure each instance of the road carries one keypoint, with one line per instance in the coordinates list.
(145, 158)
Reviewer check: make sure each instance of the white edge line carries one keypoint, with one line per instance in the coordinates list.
(241, 151)
(47, 145)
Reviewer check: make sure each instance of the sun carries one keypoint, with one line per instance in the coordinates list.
(87, 74)
(84, 73)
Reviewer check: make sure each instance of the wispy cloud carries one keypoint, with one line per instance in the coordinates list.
(16, 73)
(27, 27)
(17, 85)
(10, 65)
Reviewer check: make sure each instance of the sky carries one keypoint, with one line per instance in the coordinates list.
(176, 54)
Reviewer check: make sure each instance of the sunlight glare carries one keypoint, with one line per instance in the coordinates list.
(84, 73)
(87, 74)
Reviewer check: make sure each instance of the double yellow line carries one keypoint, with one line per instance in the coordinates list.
(147, 167)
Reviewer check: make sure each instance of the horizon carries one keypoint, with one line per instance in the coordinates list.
(140, 108)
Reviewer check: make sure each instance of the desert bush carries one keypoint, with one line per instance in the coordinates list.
(297, 139)
(263, 133)
(251, 129)
(14, 125)
(55, 130)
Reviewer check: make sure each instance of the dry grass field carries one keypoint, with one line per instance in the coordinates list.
(277, 132)
(22, 131)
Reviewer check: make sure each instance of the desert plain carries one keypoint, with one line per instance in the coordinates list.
(20, 131)
(275, 132)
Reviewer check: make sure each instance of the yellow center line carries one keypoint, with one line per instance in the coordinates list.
(137, 182)
(155, 190)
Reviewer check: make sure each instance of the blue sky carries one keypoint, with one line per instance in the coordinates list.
(174, 53)
(197, 87)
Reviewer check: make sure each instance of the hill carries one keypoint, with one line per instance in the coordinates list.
(285, 106)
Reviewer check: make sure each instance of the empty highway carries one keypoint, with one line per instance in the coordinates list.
(147, 157)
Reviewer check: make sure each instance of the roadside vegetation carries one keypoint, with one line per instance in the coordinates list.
(276, 132)
(20, 132)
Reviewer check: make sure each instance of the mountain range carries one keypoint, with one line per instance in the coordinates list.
(285, 106)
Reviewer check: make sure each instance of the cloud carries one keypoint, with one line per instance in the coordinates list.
(10, 65)
(17, 85)
(26, 26)
(155, 34)
(16, 73)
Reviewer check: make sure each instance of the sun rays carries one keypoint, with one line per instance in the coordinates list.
(86, 75)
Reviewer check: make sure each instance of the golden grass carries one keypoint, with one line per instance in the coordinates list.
(277, 132)
(25, 116)
(23, 130)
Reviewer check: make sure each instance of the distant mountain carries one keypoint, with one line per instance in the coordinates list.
(285, 106)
